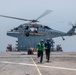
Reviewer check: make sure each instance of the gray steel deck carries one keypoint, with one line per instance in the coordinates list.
(19, 63)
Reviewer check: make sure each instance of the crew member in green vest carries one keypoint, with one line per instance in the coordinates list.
(40, 47)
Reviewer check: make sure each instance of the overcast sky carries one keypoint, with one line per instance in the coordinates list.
(63, 12)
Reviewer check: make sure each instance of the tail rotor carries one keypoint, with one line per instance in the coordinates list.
(72, 24)
(72, 30)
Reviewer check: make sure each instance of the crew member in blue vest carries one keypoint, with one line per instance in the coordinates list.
(47, 49)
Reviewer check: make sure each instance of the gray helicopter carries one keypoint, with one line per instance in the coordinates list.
(29, 34)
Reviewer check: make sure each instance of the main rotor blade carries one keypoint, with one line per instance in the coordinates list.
(44, 14)
(14, 18)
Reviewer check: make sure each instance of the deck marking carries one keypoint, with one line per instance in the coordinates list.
(7, 62)
(36, 66)
(43, 66)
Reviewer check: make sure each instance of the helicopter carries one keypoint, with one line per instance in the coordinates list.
(29, 34)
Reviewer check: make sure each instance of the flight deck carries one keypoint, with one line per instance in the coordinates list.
(19, 63)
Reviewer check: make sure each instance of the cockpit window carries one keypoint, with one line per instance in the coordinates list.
(33, 29)
(20, 26)
(26, 27)
(47, 27)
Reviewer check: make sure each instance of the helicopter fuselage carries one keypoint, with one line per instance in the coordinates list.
(29, 35)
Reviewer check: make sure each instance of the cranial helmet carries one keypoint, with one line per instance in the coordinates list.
(48, 39)
(42, 40)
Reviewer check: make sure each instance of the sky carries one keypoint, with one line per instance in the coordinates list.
(64, 11)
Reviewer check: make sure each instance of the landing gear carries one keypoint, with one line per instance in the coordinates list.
(27, 34)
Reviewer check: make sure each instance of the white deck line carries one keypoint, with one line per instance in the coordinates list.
(63, 68)
(36, 66)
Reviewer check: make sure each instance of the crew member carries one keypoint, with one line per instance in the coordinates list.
(40, 48)
(47, 49)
